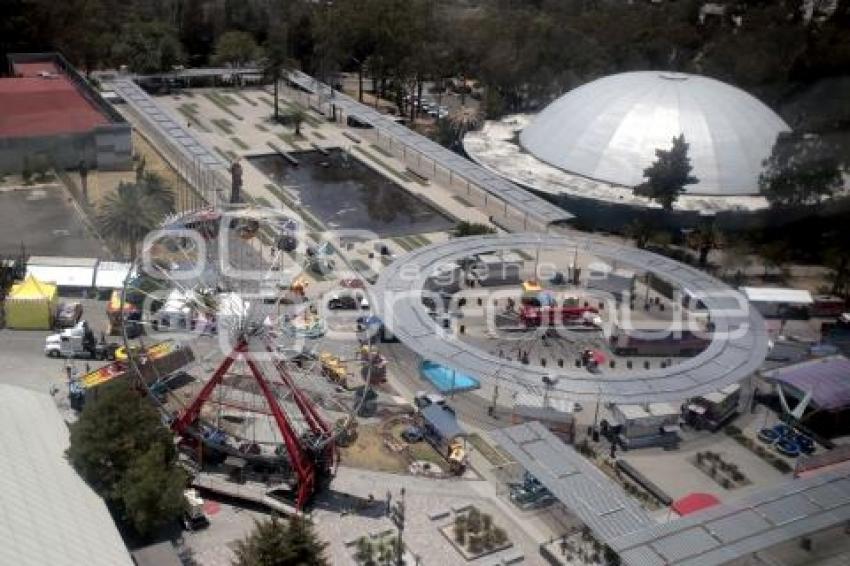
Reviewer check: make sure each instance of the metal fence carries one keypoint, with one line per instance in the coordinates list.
(209, 185)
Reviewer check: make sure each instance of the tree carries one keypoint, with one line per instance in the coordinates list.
(801, 169)
(134, 209)
(115, 427)
(152, 490)
(705, 239)
(276, 61)
(640, 231)
(365, 551)
(148, 47)
(236, 48)
(465, 228)
(277, 543)
(774, 255)
(667, 178)
(297, 116)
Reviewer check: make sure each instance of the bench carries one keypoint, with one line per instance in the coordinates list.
(351, 137)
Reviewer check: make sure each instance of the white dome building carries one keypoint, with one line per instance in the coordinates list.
(609, 129)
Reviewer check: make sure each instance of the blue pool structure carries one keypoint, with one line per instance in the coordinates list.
(446, 379)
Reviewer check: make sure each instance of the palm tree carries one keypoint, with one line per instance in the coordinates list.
(297, 117)
(276, 61)
(161, 196)
(134, 209)
(127, 215)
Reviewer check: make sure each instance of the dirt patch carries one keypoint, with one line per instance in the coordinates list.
(369, 452)
(381, 448)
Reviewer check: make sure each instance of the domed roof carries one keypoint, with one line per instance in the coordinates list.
(609, 129)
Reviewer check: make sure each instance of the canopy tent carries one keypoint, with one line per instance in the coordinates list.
(778, 295)
(111, 275)
(694, 502)
(826, 379)
(442, 421)
(65, 272)
(30, 305)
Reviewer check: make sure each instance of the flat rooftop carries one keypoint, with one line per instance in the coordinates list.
(42, 101)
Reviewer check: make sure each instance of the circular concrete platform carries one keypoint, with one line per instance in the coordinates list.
(738, 347)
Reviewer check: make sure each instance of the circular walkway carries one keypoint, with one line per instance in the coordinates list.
(738, 348)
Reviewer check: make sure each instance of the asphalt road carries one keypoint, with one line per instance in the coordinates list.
(22, 353)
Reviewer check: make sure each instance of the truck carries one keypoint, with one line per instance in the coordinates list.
(78, 342)
(533, 316)
(194, 516)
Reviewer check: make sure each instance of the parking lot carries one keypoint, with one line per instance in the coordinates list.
(22, 352)
(45, 221)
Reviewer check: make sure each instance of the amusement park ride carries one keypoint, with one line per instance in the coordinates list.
(257, 407)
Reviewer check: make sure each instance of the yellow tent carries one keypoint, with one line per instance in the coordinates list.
(30, 305)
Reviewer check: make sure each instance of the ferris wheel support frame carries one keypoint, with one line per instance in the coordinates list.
(303, 463)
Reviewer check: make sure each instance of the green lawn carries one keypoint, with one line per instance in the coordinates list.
(224, 125)
(190, 112)
(227, 154)
(291, 140)
(463, 201)
(493, 455)
(245, 98)
(223, 103)
(240, 143)
(382, 163)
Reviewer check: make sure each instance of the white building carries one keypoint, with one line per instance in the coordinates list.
(48, 514)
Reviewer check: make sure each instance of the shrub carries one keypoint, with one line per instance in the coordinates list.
(486, 521)
(499, 536)
(40, 167)
(488, 540)
(475, 543)
(460, 532)
(726, 483)
(26, 172)
(473, 520)
(737, 476)
(782, 466)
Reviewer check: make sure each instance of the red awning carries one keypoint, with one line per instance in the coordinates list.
(694, 502)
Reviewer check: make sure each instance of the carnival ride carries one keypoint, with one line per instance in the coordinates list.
(244, 401)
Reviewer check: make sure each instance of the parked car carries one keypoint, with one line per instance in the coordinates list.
(424, 399)
(68, 314)
(412, 434)
(348, 302)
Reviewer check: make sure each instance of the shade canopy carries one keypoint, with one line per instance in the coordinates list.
(30, 305)
(610, 128)
(828, 380)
